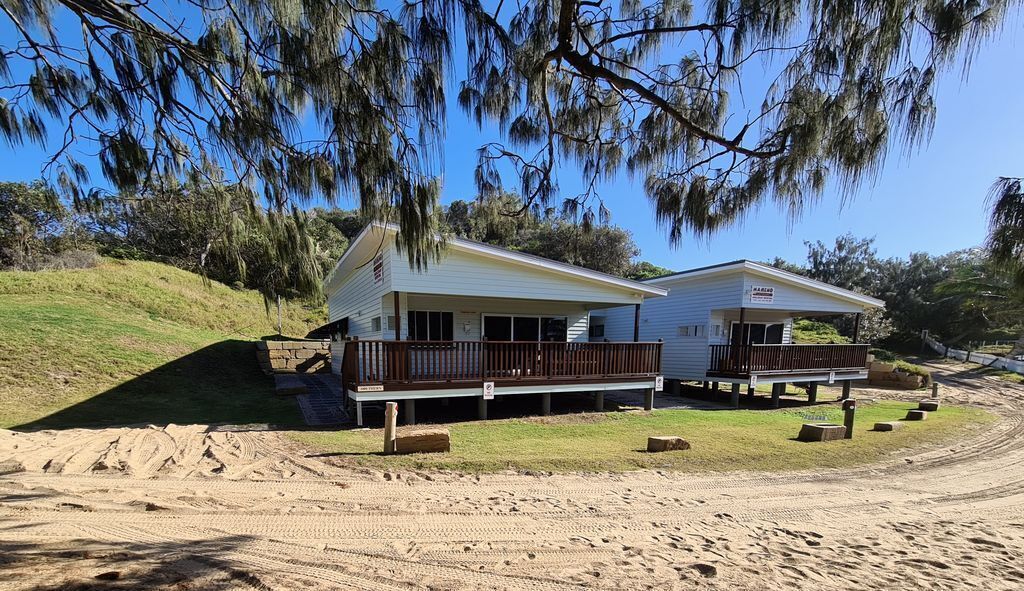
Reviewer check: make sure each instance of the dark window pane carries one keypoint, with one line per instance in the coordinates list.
(596, 331)
(774, 334)
(435, 326)
(498, 328)
(524, 328)
(410, 324)
(757, 334)
(555, 329)
(421, 326)
(447, 326)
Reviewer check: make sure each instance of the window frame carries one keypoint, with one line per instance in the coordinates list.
(540, 324)
(782, 334)
(413, 333)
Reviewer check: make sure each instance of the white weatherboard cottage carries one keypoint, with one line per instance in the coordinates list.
(699, 322)
(481, 318)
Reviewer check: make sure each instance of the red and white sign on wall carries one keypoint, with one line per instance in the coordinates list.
(761, 294)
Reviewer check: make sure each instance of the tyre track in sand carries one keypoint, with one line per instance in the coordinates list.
(261, 517)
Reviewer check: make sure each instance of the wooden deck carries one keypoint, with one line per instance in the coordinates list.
(412, 365)
(749, 360)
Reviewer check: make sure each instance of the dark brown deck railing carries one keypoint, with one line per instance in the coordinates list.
(398, 364)
(744, 360)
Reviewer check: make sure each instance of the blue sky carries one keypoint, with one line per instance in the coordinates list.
(932, 201)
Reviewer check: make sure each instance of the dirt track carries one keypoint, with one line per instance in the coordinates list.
(244, 510)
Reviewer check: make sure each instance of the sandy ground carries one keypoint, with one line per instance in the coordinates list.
(182, 508)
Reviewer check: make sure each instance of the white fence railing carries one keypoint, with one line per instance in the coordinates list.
(974, 357)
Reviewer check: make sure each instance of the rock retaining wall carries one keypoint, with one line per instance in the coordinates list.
(294, 356)
(886, 374)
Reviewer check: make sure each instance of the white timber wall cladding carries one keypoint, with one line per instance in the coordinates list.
(469, 311)
(469, 274)
(792, 297)
(688, 304)
(359, 298)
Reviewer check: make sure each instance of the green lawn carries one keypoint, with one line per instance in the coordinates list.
(721, 440)
(129, 343)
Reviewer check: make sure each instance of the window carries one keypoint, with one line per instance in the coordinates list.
(684, 331)
(431, 326)
(378, 269)
(758, 333)
(596, 331)
(525, 328)
(391, 322)
(375, 324)
(692, 330)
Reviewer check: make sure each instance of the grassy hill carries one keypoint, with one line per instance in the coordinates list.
(134, 342)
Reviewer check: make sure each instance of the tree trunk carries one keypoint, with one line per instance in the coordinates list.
(278, 315)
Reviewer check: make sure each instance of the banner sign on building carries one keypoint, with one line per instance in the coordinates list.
(762, 294)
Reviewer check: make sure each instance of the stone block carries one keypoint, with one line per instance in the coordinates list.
(274, 344)
(423, 441)
(916, 415)
(316, 345)
(274, 354)
(291, 345)
(659, 443)
(912, 381)
(888, 426)
(928, 405)
(821, 432)
(880, 366)
(303, 353)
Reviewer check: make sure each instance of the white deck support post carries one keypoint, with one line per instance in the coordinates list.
(545, 403)
(410, 412)
(359, 413)
(599, 401)
(734, 399)
(649, 399)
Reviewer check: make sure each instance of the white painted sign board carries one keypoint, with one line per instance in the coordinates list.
(762, 294)
(753, 381)
(831, 377)
(379, 388)
(488, 390)
(659, 384)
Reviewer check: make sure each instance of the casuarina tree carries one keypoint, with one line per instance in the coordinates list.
(717, 107)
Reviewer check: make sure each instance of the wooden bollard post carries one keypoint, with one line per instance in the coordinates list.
(935, 389)
(390, 426)
(849, 410)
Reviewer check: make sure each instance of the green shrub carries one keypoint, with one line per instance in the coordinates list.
(816, 333)
(883, 355)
